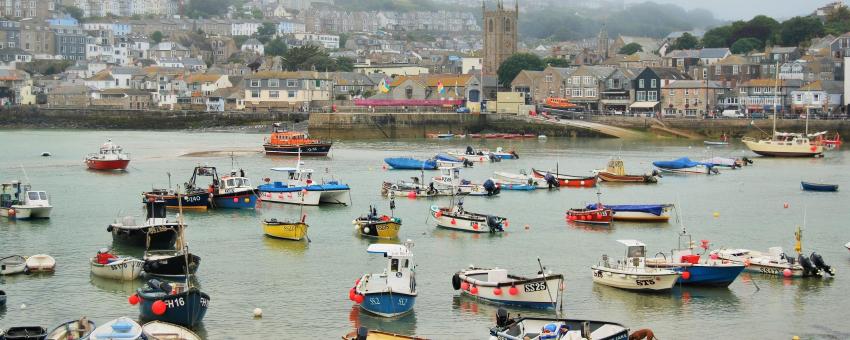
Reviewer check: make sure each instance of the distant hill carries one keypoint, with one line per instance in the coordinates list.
(389, 5)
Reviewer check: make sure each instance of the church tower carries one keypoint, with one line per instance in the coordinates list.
(602, 43)
(500, 35)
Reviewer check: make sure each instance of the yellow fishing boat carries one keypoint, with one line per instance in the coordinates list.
(285, 230)
(379, 226)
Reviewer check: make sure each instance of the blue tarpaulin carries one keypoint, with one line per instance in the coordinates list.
(655, 209)
(681, 163)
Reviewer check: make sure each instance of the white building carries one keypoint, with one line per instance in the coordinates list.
(244, 28)
(328, 41)
(254, 46)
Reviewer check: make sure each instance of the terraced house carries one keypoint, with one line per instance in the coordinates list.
(584, 85)
(286, 90)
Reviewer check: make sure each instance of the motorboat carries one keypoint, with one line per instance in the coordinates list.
(495, 285)
(501, 154)
(392, 292)
(174, 261)
(566, 180)
(521, 178)
(693, 269)
(122, 328)
(631, 273)
(176, 303)
(378, 226)
(158, 330)
(615, 171)
(14, 264)
(109, 157)
(72, 330)
(455, 217)
(449, 178)
(232, 191)
(287, 230)
(776, 262)
(283, 142)
(592, 214)
(686, 166)
(299, 187)
(407, 163)
(41, 263)
(445, 160)
(190, 197)
(414, 189)
(118, 268)
(19, 201)
(728, 162)
(810, 186)
(151, 233)
(25, 333)
(638, 212)
(539, 328)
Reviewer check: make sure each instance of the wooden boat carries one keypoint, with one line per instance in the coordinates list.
(616, 172)
(14, 264)
(184, 305)
(109, 157)
(392, 292)
(639, 213)
(809, 186)
(26, 333)
(694, 270)
(456, 218)
(282, 142)
(497, 286)
(122, 268)
(71, 330)
(288, 230)
(378, 226)
(19, 201)
(158, 330)
(631, 273)
(686, 166)
(364, 333)
(776, 262)
(151, 233)
(567, 180)
(122, 328)
(41, 263)
(537, 328)
(592, 214)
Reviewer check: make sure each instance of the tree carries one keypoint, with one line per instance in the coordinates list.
(344, 64)
(156, 37)
(686, 42)
(276, 47)
(207, 8)
(630, 48)
(746, 45)
(556, 62)
(799, 29)
(760, 27)
(838, 22)
(509, 68)
(74, 11)
(717, 37)
(267, 29)
(308, 57)
(343, 38)
(239, 40)
(257, 14)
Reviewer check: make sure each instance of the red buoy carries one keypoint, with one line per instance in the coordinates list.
(454, 222)
(464, 285)
(438, 214)
(351, 294)
(475, 226)
(358, 298)
(686, 275)
(133, 299)
(158, 307)
(411, 194)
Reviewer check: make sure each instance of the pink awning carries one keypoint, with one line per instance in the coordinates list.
(407, 102)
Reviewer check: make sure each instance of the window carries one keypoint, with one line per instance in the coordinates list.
(548, 78)
(641, 96)
(274, 94)
(743, 90)
(652, 96)
(274, 82)
(291, 82)
(687, 92)
(717, 70)
(640, 83)
(255, 93)
(757, 90)
(576, 92)
(590, 92)
(653, 83)
(290, 94)
(255, 83)
(577, 80)
(816, 98)
(588, 80)
(672, 93)
(680, 62)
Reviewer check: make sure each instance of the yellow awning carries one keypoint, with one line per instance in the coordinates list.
(643, 105)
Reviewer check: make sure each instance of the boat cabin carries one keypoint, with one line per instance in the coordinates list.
(289, 138)
(36, 198)
(635, 253)
(234, 183)
(399, 270)
(616, 167)
(110, 148)
(14, 193)
(295, 176)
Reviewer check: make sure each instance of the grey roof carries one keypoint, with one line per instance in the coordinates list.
(252, 41)
(127, 70)
(781, 49)
(714, 52)
(670, 73)
(690, 84)
(565, 71)
(192, 61)
(13, 51)
(833, 86)
(70, 89)
(601, 72)
(352, 78)
(683, 54)
(631, 72)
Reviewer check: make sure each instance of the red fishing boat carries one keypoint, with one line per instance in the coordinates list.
(109, 157)
(599, 215)
(832, 143)
(567, 180)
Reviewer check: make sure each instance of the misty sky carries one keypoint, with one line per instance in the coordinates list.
(746, 9)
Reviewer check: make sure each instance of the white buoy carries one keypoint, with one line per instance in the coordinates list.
(258, 313)
(23, 306)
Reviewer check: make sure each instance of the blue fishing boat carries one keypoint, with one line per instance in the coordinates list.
(516, 186)
(639, 212)
(686, 166)
(233, 191)
(393, 292)
(299, 187)
(184, 305)
(447, 158)
(694, 270)
(406, 163)
(809, 186)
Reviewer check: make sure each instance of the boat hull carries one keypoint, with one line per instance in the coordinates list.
(195, 201)
(116, 164)
(312, 197)
(41, 263)
(648, 281)
(288, 231)
(636, 216)
(241, 200)
(402, 163)
(568, 180)
(20, 212)
(538, 293)
(14, 264)
(782, 150)
(171, 266)
(388, 304)
(819, 187)
(708, 275)
(138, 236)
(77, 329)
(123, 269)
(377, 229)
(185, 309)
(319, 149)
(473, 224)
(609, 177)
(595, 216)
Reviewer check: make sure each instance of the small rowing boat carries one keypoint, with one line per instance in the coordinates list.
(41, 263)
(25, 333)
(287, 230)
(122, 328)
(810, 186)
(537, 328)
(14, 264)
(615, 171)
(158, 330)
(364, 333)
(71, 330)
(715, 143)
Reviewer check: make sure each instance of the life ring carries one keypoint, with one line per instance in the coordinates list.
(456, 281)
(398, 274)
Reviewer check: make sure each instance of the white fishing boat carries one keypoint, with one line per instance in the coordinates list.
(631, 273)
(776, 262)
(521, 178)
(541, 328)
(41, 263)
(413, 189)
(449, 178)
(122, 328)
(473, 155)
(158, 330)
(495, 285)
(299, 187)
(14, 264)
(456, 218)
(19, 201)
(392, 292)
(121, 268)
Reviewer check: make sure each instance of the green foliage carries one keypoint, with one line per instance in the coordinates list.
(630, 48)
(156, 37)
(418, 36)
(556, 62)
(745, 45)
(307, 58)
(344, 64)
(343, 38)
(207, 8)
(239, 40)
(797, 30)
(838, 22)
(276, 47)
(257, 14)
(686, 42)
(512, 66)
(74, 11)
(265, 32)
(717, 37)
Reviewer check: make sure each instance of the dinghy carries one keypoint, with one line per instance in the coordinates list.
(639, 213)
(122, 328)
(776, 262)
(407, 163)
(14, 264)
(536, 328)
(514, 186)
(26, 333)
(495, 285)
(521, 178)
(686, 166)
(414, 189)
(694, 270)
(501, 154)
(41, 263)
(728, 163)
(631, 273)
(715, 143)
(615, 171)
(183, 304)
(456, 218)
(393, 292)
(364, 333)
(72, 330)
(151, 233)
(158, 330)
(473, 155)
(809, 186)
(449, 178)
(118, 268)
(567, 180)
(378, 226)
(288, 230)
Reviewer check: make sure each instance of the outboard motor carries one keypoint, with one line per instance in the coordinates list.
(494, 158)
(494, 223)
(362, 333)
(502, 318)
(713, 170)
(552, 181)
(467, 163)
(490, 187)
(469, 150)
(817, 260)
(808, 268)
(515, 154)
(746, 161)
(157, 284)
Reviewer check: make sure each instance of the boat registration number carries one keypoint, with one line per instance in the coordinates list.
(191, 199)
(534, 286)
(118, 266)
(772, 271)
(644, 282)
(178, 302)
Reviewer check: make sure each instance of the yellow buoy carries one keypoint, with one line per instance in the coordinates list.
(716, 214)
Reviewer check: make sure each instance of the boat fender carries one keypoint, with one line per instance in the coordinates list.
(808, 268)
(398, 274)
(109, 229)
(456, 281)
(817, 260)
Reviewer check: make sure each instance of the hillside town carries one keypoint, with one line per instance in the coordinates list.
(148, 55)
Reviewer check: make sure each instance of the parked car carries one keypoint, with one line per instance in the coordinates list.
(758, 115)
(731, 114)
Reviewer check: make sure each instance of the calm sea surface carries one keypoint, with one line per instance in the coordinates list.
(303, 288)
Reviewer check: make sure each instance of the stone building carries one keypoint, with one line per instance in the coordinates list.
(500, 35)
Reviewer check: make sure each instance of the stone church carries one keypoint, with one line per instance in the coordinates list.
(500, 35)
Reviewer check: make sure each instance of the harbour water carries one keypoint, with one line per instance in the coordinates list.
(303, 288)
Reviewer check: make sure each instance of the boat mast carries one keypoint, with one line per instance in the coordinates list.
(775, 93)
